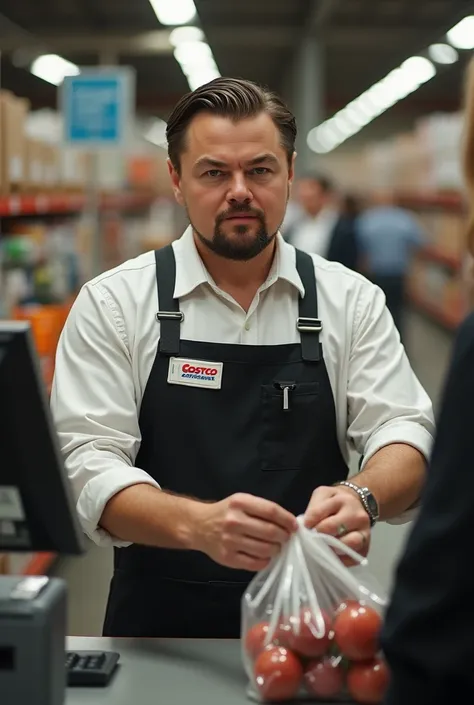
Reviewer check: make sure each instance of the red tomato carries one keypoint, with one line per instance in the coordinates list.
(302, 635)
(278, 674)
(255, 639)
(256, 636)
(368, 681)
(356, 631)
(325, 678)
(281, 636)
(345, 604)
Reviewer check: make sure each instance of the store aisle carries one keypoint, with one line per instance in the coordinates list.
(88, 577)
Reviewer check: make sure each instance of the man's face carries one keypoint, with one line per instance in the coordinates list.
(234, 183)
(311, 196)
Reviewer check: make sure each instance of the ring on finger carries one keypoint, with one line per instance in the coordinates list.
(342, 530)
(364, 539)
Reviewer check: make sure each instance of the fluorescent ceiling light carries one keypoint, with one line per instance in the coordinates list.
(419, 69)
(174, 12)
(396, 85)
(197, 62)
(193, 53)
(156, 134)
(320, 142)
(53, 68)
(443, 54)
(200, 77)
(181, 35)
(461, 35)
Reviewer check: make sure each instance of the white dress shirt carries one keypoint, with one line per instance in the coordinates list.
(313, 235)
(109, 343)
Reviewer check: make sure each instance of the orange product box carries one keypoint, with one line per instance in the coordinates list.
(46, 323)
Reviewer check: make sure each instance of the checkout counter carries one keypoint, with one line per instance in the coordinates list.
(167, 672)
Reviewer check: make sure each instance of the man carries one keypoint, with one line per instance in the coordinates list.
(388, 236)
(194, 436)
(323, 229)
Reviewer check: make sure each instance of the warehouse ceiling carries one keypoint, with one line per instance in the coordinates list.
(362, 40)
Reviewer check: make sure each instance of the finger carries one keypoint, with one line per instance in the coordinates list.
(250, 563)
(353, 519)
(263, 531)
(318, 511)
(256, 549)
(359, 541)
(260, 508)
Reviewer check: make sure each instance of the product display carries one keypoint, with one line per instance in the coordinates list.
(311, 626)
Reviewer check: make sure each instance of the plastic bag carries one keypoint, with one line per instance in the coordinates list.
(310, 626)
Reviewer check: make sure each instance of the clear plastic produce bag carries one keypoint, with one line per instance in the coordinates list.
(310, 626)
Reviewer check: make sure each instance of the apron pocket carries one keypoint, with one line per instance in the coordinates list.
(289, 425)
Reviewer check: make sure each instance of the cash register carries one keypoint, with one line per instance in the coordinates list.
(37, 513)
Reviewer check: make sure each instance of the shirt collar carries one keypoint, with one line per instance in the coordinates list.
(191, 272)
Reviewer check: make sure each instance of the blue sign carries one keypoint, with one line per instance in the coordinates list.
(97, 107)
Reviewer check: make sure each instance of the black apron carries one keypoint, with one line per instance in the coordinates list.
(269, 431)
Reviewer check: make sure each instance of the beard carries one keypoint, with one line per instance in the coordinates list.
(239, 245)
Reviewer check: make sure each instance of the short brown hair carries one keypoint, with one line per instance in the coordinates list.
(236, 99)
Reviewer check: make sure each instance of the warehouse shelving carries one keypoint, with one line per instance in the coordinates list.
(47, 205)
(440, 261)
(435, 254)
(59, 203)
(447, 319)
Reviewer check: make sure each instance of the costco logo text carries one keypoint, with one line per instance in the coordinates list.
(204, 373)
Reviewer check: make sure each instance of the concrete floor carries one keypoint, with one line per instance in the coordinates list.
(88, 577)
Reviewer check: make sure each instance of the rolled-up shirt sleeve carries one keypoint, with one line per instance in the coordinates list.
(386, 402)
(94, 406)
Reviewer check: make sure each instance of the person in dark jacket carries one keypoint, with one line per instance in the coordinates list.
(325, 228)
(428, 635)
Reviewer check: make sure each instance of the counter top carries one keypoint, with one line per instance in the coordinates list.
(166, 672)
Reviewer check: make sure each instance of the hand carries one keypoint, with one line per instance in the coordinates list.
(332, 509)
(243, 531)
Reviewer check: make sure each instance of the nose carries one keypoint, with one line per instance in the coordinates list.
(239, 191)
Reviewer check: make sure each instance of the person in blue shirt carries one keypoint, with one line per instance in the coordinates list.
(387, 238)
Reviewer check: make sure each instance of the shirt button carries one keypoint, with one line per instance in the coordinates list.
(247, 326)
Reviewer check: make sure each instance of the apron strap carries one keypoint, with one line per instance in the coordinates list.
(169, 315)
(308, 324)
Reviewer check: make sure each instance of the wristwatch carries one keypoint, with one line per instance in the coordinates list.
(368, 500)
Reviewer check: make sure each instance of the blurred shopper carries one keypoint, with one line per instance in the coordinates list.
(428, 635)
(195, 435)
(388, 236)
(324, 229)
(294, 213)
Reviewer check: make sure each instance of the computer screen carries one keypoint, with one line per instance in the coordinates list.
(37, 509)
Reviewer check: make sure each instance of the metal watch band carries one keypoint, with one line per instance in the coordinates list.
(363, 498)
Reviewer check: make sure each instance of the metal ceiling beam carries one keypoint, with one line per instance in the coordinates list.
(322, 13)
(157, 42)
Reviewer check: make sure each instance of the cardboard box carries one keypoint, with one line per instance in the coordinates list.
(13, 139)
(72, 168)
(4, 564)
(52, 165)
(35, 166)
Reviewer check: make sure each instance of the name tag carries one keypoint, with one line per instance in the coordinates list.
(195, 373)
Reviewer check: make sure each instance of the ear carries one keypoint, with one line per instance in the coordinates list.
(176, 183)
(291, 172)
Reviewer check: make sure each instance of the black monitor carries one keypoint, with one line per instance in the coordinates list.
(37, 509)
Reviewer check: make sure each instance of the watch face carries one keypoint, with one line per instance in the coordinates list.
(373, 506)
